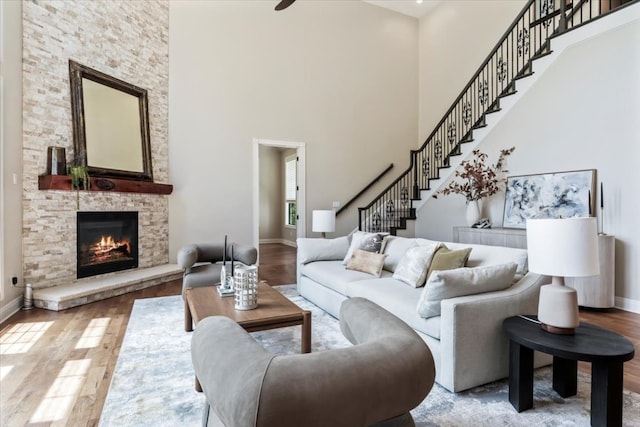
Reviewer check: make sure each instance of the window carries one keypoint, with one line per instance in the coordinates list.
(290, 191)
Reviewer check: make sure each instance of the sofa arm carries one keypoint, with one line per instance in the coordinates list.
(310, 250)
(230, 366)
(187, 256)
(474, 349)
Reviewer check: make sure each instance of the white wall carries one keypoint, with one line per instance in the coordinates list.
(11, 156)
(339, 76)
(455, 38)
(581, 114)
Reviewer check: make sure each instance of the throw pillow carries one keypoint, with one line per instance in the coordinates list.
(395, 247)
(463, 281)
(370, 242)
(446, 259)
(310, 250)
(412, 268)
(367, 262)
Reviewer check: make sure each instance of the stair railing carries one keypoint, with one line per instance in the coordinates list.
(364, 189)
(526, 39)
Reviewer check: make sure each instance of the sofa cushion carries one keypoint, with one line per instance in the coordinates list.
(447, 259)
(414, 265)
(333, 275)
(370, 242)
(398, 298)
(463, 281)
(310, 250)
(367, 262)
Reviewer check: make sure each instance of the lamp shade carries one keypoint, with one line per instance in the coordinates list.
(566, 247)
(324, 221)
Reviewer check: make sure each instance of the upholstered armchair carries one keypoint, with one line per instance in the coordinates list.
(202, 262)
(387, 372)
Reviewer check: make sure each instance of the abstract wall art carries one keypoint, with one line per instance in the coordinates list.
(549, 195)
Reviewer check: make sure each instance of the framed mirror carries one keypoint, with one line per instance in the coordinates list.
(110, 125)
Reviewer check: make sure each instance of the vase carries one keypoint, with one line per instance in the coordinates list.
(473, 213)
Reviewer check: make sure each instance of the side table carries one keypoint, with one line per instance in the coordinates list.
(606, 350)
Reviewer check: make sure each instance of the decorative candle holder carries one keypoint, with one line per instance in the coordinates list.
(246, 287)
(226, 282)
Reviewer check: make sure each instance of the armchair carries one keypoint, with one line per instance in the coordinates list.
(202, 262)
(387, 372)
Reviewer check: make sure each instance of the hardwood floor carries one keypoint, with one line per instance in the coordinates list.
(277, 264)
(56, 367)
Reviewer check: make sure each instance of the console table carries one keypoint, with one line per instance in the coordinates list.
(606, 350)
(595, 292)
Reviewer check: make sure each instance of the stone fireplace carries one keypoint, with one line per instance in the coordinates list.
(127, 40)
(106, 242)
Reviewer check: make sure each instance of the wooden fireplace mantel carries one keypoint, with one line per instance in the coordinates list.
(63, 182)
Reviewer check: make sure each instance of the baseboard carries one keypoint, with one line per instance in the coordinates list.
(279, 241)
(11, 308)
(627, 304)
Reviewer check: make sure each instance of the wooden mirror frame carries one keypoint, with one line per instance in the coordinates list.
(78, 72)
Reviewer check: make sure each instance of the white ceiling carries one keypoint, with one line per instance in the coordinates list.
(407, 7)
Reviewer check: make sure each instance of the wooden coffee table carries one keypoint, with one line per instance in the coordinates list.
(274, 311)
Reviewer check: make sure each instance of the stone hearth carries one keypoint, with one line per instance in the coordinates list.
(98, 288)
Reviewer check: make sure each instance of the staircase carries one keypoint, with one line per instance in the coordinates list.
(505, 75)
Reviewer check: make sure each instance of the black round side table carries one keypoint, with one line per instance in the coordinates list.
(606, 350)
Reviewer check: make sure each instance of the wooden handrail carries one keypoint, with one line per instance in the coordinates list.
(361, 192)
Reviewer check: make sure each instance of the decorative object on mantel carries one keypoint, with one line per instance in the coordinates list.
(110, 120)
(479, 180)
(56, 161)
(549, 195)
(79, 180)
(245, 282)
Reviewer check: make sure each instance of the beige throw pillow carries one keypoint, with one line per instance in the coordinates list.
(371, 242)
(463, 281)
(412, 268)
(367, 262)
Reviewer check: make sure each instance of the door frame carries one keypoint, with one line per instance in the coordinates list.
(301, 224)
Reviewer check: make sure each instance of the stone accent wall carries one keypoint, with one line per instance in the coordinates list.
(128, 40)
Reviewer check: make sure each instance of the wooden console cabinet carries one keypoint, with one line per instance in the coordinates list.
(594, 292)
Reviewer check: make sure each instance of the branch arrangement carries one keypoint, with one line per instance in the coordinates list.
(478, 180)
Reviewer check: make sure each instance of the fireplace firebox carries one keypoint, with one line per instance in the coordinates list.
(106, 242)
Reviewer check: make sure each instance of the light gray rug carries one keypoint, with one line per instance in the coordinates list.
(153, 382)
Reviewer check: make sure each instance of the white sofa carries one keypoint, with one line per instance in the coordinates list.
(466, 339)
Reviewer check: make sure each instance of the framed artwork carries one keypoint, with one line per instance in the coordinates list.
(549, 195)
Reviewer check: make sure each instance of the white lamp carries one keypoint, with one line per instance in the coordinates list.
(324, 222)
(561, 248)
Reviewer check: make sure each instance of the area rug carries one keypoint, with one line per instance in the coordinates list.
(153, 382)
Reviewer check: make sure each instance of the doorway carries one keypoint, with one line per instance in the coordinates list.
(263, 210)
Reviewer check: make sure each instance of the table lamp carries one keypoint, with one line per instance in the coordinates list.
(565, 247)
(324, 221)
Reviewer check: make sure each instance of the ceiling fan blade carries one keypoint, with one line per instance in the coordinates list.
(284, 4)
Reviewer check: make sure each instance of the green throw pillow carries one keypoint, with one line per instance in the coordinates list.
(446, 259)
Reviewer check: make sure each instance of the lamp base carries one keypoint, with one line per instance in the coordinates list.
(559, 331)
(558, 308)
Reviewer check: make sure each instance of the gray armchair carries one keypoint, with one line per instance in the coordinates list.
(387, 372)
(202, 262)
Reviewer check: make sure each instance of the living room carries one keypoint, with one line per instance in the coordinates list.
(357, 84)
